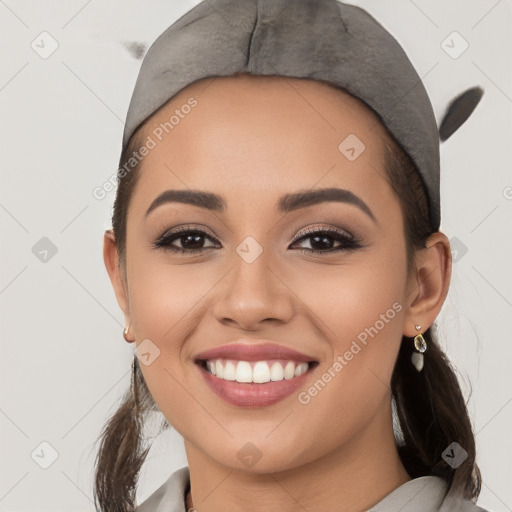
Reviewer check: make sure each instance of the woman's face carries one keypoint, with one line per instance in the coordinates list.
(253, 141)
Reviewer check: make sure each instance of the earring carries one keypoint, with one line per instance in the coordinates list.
(125, 335)
(420, 345)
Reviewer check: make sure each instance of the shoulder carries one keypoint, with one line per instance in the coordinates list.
(425, 494)
(170, 496)
(462, 506)
(457, 504)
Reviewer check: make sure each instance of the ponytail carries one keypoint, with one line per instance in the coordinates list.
(122, 450)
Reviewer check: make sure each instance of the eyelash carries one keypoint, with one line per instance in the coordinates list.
(349, 242)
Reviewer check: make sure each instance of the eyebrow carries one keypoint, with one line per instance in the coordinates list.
(287, 203)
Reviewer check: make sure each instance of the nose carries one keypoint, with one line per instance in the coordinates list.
(253, 293)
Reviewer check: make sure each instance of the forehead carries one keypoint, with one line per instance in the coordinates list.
(247, 135)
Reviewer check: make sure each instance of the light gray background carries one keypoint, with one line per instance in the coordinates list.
(64, 363)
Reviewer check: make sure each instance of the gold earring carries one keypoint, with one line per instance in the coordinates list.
(420, 345)
(125, 335)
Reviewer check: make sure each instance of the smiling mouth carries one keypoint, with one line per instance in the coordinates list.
(256, 372)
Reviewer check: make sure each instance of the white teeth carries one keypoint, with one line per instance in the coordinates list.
(258, 372)
(289, 371)
(300, 370)
(261, 372)
(277, 372)
(219, 369)
(230, 371)
(212, 367)
(243, 371)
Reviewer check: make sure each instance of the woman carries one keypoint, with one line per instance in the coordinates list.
(277, 256)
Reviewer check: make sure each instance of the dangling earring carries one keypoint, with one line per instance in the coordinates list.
(420, 345)
(125, 335)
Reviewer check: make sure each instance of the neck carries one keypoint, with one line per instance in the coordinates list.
(352, 478)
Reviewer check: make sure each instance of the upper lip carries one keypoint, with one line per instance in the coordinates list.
(251, 350)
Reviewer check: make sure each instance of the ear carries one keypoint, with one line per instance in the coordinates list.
(110, 257)
(428, 284)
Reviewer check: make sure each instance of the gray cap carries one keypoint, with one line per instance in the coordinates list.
(318, 39)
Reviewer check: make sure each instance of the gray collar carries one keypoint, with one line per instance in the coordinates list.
(423, 494)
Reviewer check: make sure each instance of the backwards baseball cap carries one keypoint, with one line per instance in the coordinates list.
(317, 39)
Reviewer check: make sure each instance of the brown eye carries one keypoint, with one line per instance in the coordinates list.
(191, 240)
(322, 241)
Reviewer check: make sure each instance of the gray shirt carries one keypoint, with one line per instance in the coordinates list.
(423, 494)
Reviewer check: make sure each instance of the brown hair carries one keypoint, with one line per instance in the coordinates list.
(429, 406)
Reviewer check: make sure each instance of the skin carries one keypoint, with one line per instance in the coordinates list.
(322, 455)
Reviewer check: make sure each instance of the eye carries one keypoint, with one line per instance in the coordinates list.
(191, 239)
(324, 237)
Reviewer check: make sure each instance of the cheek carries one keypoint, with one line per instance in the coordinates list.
(164, 300)
(163, 297)
(348, 299)
(359, 309)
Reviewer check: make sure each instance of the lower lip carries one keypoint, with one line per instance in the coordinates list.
(250, 394)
